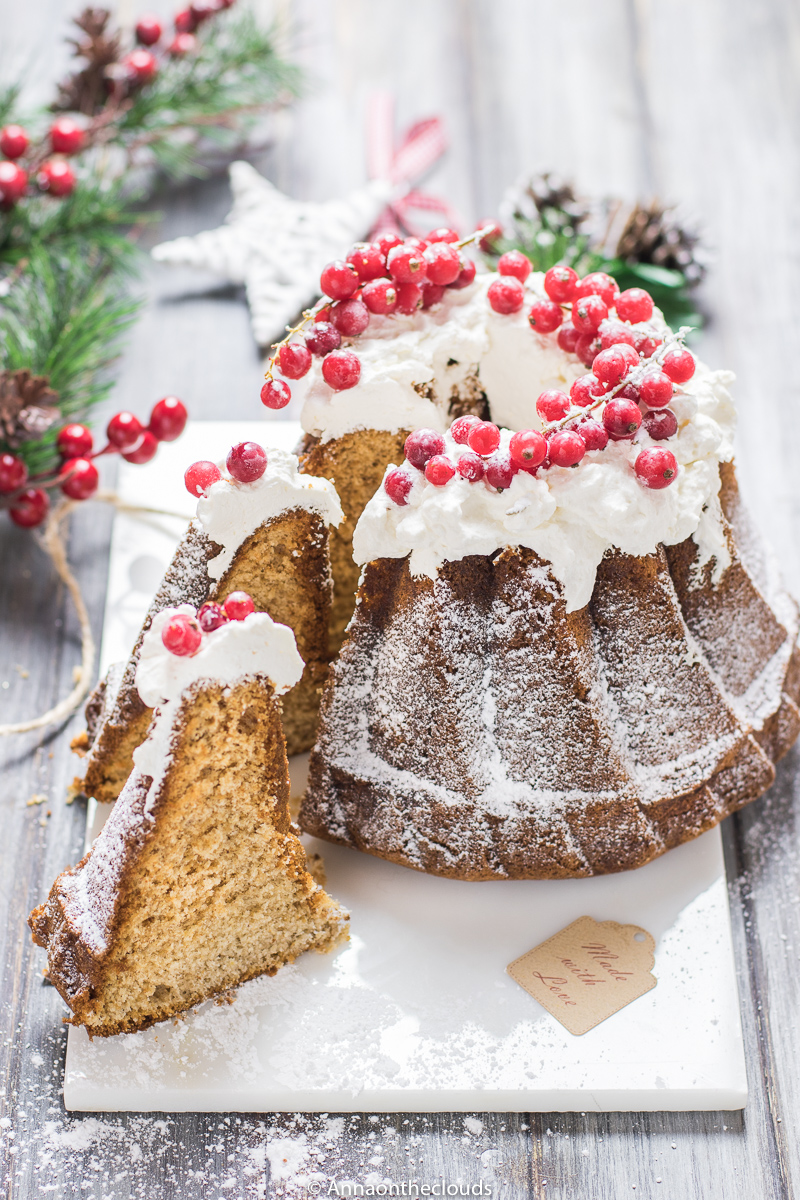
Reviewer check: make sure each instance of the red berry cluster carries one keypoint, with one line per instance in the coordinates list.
(183, 634)
(246, 462)
(77, 476)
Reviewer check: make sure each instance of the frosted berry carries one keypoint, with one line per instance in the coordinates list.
(598, 284)
(552, 405)
(506, 295)
(143, 451)
(200, 476)
(528, 448)
(74, 441)
(432, 294)
(594, 435)
(339, 280)
(276, 394)
(422, 445)
(645, 343)
(471, 467)
(57, 177)
(141, 65)
(409, 298)
(655, 388)
(586, 390)
(397, 485)
(124, 430)
(545, 316)
(202, 11)
(387, 242)
(323, 337)
(634, 304)
(459, 430)
(14, 141)
(416, 243)
(613, 364)
(185, 21)
(559, 283)
(238, 606)
(80, 478)
(588, 312)
(655, 468)
(380, 296)
(614, 333)
(443, 234)
(661, 424)
(566, 448)
(30, 508)
(350, 317)
(500, 470)
(621, 419)
(567, 338)
(148, 30)
(443, 263)
(13, 473)
(406, 264)
(516, 264)
(66, 136)
(211, 616)
(439, 470)
(246, 462)
(484, 438)
(182, 635)
(13, 182)
(679, 365)
(491, 232)
(182, 43)
(466, 275)
(168, 419)
(587, 348)
(367, 260)
(341, 370)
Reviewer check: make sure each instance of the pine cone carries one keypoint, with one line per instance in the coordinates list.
(87, 90)
(28, 407)
(652, 234)
(545, 195)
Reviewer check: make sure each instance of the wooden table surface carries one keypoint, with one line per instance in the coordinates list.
(696, 100)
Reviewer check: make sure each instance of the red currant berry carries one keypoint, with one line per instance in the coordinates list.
(185, 21)
(500, 470)
(246, 462)
(238, 606)
(629, 392)
(141, 66)
(276, 394)
(645, 343)
(141, 453)
(443, 263)
(466, 275)
(459, 430)
(614, 333)
(323, 337)
(422, 445)
(679, 365)
(74, 441)
(294, 360)
(387, 242)
(14, 141)
(553, 405)
(655, 388)
(484, 438)
(439, 470)
(566, 448)
(491, 232)
(432, 293)
(66, 136)
(182, 43)
(148, 30)
(587, 347)
(588, 312)
(182, 635)
(528, 448)
(80, 478)
(416, 243)
(30, 509)
(594, 435)
(124, 431)
(341, 370)
(350, 317)
(545, 316)
(559, 283)
(13, 182)
(13, 473)
(409, 298)
(586, 390)
(656, 468)
(406, 264)
(168, 419)
(200, 476)
(367, 260)
(598, 284)
(339, 280)
(57, 177)
(471, 467)
(506, 295)
(442, 234)
(612, 365)
(515, 264)
(202, 11)
(397, 484)
(661, 424)
(567, 338)
(621, 419)
(210, 616)
(634, 304)
(380, 296)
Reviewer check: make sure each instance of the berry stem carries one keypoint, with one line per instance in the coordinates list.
(306, 318)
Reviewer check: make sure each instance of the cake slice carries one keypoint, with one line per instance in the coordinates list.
(198, 881)
(268, 538)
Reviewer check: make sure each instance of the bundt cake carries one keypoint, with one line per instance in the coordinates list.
(197, 881)
(265, 534)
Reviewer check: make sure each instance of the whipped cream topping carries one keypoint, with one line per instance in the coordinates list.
(230, 511)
